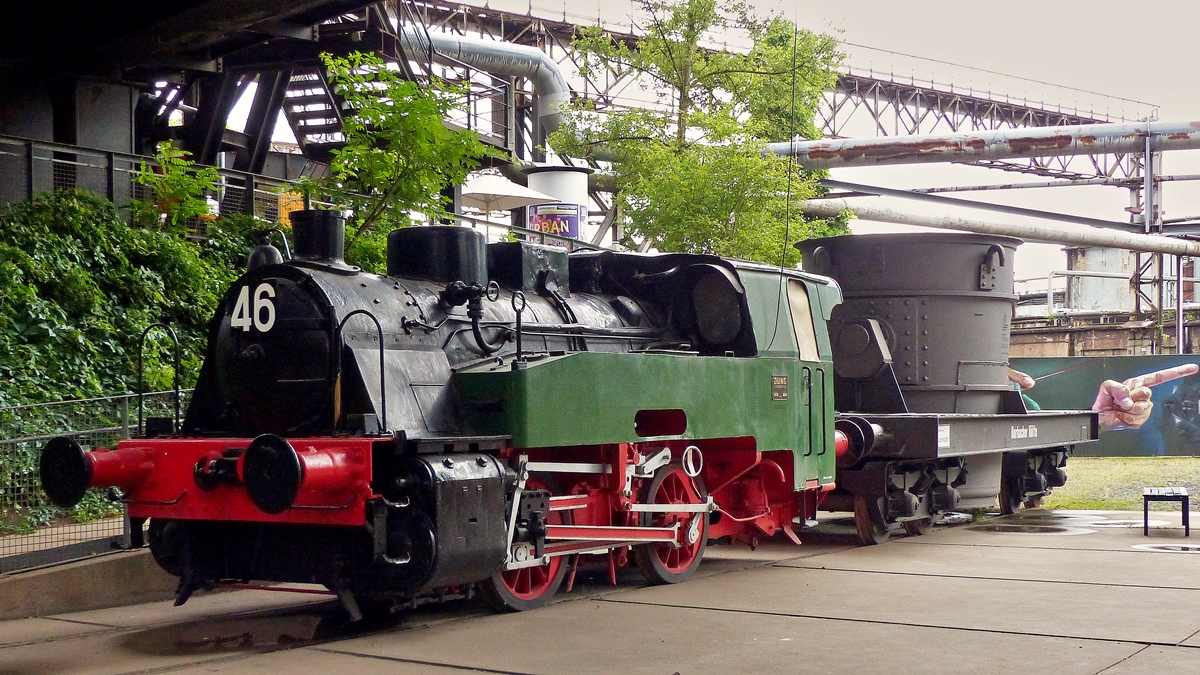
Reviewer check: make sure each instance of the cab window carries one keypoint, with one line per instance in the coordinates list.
(806, 334)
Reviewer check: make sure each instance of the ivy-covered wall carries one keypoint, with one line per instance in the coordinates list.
(78, 286)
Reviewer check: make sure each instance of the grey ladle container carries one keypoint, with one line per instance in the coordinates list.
(944, 303)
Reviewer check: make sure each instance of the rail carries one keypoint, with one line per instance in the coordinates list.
(885, 65)
(1170, 284)
(30, 166)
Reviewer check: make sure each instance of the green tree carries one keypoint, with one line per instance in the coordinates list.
(398, 154)
(691, 172)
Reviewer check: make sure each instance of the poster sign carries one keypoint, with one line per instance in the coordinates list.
(1070, 383)
(560, 220)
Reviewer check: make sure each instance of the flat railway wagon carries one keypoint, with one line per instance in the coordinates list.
(483, 415)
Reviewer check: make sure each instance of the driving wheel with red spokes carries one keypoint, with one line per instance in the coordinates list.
(527, 587)
(671, 563)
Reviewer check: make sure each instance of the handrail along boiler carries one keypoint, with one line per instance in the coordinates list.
(484, 414)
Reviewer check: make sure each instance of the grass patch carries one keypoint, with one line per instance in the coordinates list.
(1115, 483)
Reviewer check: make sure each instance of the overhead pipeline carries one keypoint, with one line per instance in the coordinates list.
(1043, 233)
(1087, 139)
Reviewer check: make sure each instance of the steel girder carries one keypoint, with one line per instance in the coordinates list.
(894, 106)
(897, 108)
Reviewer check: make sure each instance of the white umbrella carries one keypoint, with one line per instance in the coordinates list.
(489, 192)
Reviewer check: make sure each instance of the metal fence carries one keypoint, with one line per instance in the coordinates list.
(34, 532)
(30, 167)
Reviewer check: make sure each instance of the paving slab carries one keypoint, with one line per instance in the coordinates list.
(722, 558)
(607, 637)
(1067, 604)
(158, 635)
(315, 661)
(24, 631)
(1159, 660)
(214, 627)
(1127, 567)
(1082, 611)
(1077, 526)
(200, 606)
(100, 654)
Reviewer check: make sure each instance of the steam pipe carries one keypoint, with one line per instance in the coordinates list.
(505, 59)
(830, 208)
(1086, 139)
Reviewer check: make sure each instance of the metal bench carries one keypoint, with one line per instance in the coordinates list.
(1165, 494)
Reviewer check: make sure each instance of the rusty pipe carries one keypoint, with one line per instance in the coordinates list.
(1086, 139)
(1048, 234)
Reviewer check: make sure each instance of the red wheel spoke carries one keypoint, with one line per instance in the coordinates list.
(676, 488)
(532, 583)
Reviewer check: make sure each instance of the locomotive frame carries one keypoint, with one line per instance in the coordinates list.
(452, 445)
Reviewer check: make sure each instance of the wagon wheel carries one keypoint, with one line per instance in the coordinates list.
(528, 587)
(662, 562)
(1010, 497)
(868, 520)
(919, 526)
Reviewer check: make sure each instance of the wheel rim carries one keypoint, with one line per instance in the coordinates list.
(868, 520)
(677, 488)
(1010, 498)
(530, 583)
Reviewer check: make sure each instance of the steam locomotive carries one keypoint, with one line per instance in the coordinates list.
(483, 415)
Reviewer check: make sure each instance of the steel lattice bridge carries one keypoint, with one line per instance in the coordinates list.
(866, 99)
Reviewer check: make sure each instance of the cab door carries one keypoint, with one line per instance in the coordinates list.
(813, 373)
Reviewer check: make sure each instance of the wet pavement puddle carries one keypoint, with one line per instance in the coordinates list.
(261, 633)
(1016, 528)
(284, 629)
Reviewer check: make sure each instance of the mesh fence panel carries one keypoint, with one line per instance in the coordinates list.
(124, 187)
(235, 200)
(266, 204)
(63, 170)
(32, 530)
(29, 167)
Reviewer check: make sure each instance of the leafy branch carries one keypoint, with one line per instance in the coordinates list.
(398, 155)
(178, 187)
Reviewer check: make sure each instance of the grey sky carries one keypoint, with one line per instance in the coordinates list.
(1145, 51)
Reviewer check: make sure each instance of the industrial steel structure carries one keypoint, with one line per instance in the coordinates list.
(83, 105)
(892, 105)
(120, 79)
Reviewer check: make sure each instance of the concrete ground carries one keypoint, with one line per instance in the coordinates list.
(1053, 592)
